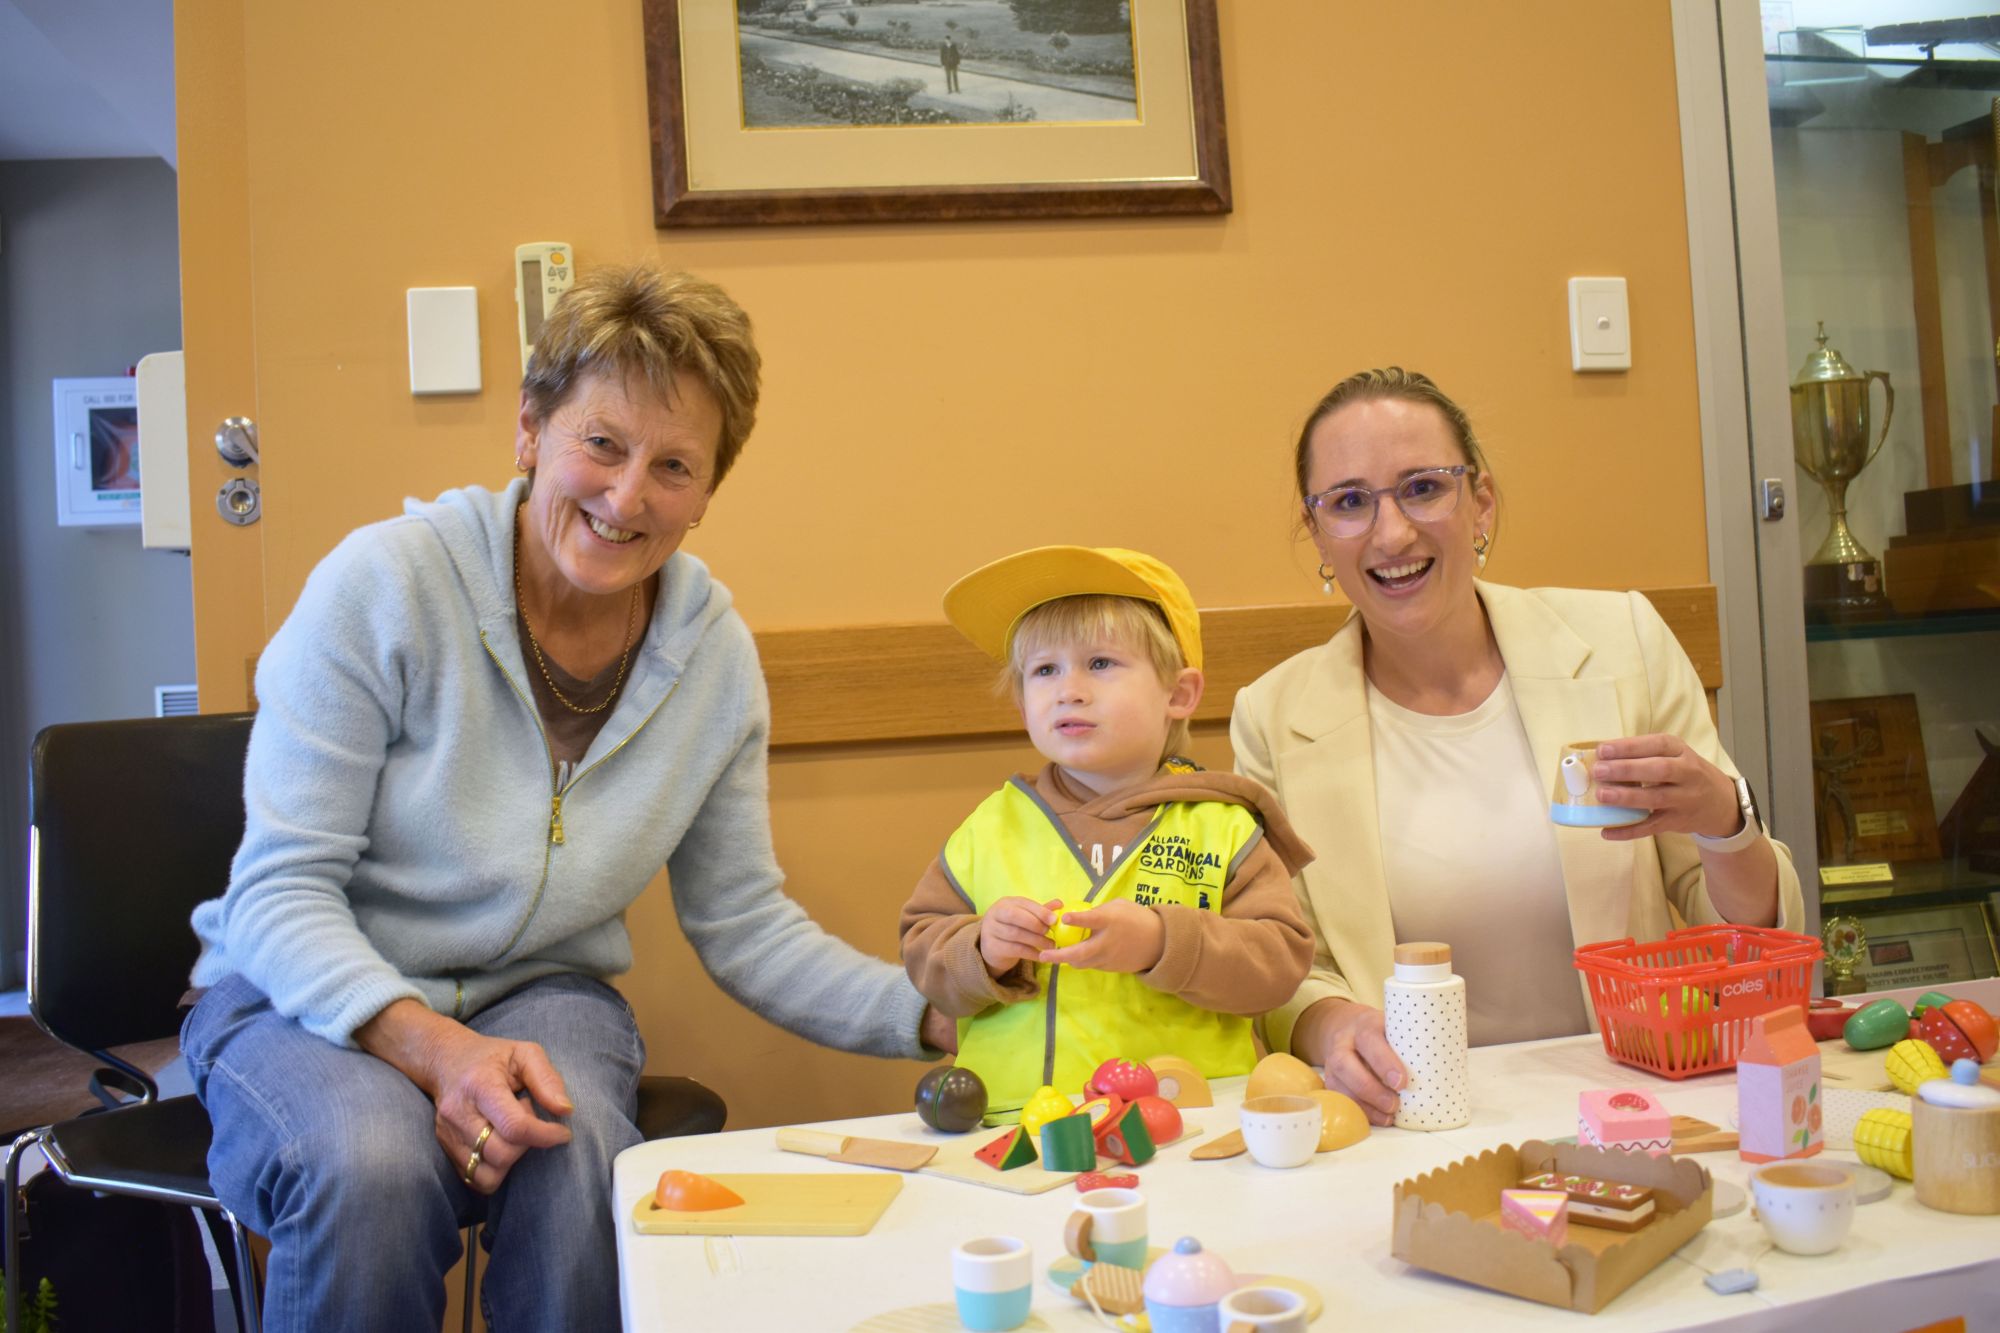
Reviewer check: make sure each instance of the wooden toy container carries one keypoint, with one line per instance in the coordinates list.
(1447, 1221)
(1956, 1152)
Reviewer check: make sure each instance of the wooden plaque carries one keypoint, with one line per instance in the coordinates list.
(1871, 784)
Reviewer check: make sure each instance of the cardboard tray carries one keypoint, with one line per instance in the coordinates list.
(1448, 1222)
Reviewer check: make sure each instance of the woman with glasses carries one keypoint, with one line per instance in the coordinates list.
(1416, 747)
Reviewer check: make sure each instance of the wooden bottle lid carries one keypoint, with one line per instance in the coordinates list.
(1425, 953)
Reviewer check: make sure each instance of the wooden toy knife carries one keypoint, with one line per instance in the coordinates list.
(856, 1151)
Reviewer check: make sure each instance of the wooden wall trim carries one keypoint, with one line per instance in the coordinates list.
(923, 681)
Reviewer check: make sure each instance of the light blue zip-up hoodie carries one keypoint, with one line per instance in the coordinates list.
(399, 802)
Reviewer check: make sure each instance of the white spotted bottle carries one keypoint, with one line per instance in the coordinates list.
(1423, 1015)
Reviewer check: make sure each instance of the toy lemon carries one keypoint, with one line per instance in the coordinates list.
(1913, 1063)
(1047, 1104)
(1061, 933)
(1882, 1139)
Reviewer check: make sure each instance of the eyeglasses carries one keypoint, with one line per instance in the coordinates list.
(1349, 511)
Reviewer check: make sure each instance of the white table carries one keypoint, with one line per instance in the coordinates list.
(1327, 1223)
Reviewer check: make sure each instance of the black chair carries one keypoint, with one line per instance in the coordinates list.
(133, 824)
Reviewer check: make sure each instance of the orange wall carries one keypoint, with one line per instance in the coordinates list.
(1414, 183)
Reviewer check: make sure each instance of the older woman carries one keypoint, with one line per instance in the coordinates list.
(1417, 745)
(484, 728)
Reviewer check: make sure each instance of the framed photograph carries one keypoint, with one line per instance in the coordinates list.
(1871, 783)
(772, 111)
(97, 451)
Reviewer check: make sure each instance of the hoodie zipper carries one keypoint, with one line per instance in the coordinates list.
(556, 836)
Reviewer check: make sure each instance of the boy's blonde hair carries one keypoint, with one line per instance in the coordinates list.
(1136, 624)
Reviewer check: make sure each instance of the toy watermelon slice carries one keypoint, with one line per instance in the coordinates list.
(1012, 1149)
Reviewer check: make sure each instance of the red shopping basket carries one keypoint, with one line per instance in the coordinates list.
(1682, 1005)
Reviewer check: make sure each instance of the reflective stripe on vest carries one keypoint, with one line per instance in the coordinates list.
(1015, 846)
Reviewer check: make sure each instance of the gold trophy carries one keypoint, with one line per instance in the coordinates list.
(1830, 436)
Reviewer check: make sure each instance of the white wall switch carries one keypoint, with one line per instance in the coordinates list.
(444, 340)
(1600, 325)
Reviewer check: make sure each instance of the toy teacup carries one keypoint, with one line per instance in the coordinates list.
(1806, 1207)
(993, 1279)
(1108, 1226)
(1573, 801)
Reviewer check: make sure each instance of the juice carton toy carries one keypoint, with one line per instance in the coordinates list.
(1777, 1089)
(1624, 1118)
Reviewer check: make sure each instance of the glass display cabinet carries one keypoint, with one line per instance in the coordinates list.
(1883, 138)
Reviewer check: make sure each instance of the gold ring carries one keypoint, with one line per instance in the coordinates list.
(478, 1146)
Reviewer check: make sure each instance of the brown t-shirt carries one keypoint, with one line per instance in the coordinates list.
(570, 732)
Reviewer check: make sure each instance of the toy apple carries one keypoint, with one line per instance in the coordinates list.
(951, 1099)
(1101, 1111)
(1124, 1080)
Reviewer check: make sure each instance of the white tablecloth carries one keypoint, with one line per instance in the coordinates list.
(1327, 1223)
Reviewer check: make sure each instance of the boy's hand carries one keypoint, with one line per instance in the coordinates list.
(1124, 937)
(1014, 929)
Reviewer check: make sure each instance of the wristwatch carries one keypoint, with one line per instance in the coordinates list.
(1753, 827)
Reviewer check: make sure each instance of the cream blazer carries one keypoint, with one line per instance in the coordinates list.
(1584, 666)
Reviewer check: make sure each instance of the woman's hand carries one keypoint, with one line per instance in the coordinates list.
(1685, 792)
(1124, 937)
(1345, 1039)
(938, 1031)
(484, 1081)
(1014, 929)
(476, 1082)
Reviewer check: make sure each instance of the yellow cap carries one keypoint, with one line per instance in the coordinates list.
(986, 604)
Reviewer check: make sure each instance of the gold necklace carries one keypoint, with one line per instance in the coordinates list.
(521, 605)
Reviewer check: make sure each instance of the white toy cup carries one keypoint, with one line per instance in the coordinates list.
(1806, 1207)
(1573, 799)
(1263, 1310)
(993, 1278)
(1281, 1131)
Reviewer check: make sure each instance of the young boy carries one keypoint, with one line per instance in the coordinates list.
(1186, 876)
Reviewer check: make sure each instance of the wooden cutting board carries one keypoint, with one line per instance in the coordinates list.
(831, 1203)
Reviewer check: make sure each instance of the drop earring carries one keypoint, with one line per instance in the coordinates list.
(1479, 545)
(1327, 579)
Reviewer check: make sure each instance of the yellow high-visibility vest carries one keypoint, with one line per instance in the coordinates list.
(1014, 846)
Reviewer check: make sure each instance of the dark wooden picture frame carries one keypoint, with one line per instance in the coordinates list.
(676, 204)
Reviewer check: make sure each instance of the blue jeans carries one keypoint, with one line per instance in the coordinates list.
(330, 1153)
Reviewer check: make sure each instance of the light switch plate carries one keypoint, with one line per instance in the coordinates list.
(1600, 325)
(444, 340)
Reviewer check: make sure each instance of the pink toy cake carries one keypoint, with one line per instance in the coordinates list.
(1536, 1214)
(1626, 1119)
